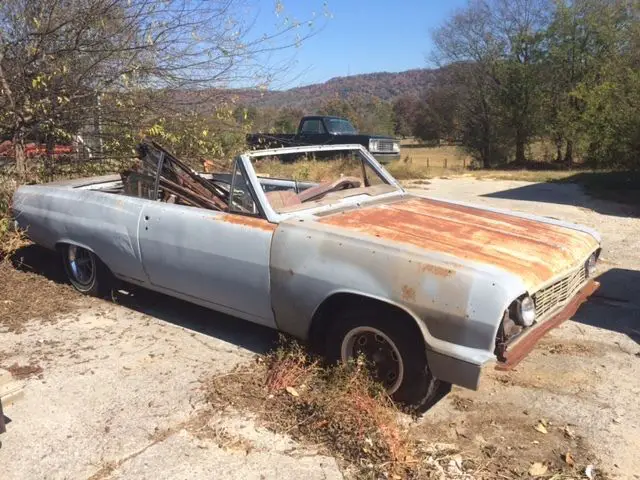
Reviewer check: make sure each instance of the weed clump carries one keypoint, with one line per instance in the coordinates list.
(10, 240)
(338, 407)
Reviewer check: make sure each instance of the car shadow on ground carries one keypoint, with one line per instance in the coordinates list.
(239, 332)
(244, 334)
(569, 191)
(615, 305)
(247, 335)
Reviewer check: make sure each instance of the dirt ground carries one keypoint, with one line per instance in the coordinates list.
(115, 390)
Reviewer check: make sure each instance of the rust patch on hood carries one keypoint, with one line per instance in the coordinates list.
(534, 251)
(244, 220)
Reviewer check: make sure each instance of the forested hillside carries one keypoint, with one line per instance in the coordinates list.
(513, 75)
(517, 75)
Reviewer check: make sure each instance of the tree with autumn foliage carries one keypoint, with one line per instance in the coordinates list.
(110, 67)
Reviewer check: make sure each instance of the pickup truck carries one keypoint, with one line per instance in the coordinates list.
(429, 291)
(327, 130)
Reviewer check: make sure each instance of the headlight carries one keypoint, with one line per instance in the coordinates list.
(525, 311)
(590, 265)
(373, 145)
(396, 147)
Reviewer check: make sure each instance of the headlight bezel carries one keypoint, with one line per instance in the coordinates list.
(373, 145)
(525, 311)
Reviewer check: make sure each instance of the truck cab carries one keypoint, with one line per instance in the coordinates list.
(329, 130)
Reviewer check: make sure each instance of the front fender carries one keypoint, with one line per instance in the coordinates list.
(457, 305)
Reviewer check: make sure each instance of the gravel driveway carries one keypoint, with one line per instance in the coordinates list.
(119, 390)
(587, 372)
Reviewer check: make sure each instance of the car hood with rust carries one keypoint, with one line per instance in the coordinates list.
(535, 249)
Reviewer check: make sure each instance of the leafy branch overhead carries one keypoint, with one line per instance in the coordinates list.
(106, 67)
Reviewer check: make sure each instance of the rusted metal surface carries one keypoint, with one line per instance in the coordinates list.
(175, 178)
(522, 346)
(534, 251)
(436, 270)
(246, 221)
(408, 293)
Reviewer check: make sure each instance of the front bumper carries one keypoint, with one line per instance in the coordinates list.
(386, 157)
(516, 351)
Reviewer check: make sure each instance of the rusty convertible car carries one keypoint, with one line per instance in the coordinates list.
(429, 291)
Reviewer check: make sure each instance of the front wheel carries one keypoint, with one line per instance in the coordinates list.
(396, 354)
(86, 272)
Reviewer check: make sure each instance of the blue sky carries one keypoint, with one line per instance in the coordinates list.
(359, 37)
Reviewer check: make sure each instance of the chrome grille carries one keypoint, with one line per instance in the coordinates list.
(385, 146)
(554, 295)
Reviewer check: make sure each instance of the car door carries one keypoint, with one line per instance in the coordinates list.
(218, 259)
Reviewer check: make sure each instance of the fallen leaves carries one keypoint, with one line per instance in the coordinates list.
(541, 428)
(537, 469)
(568, 459)
(292, 391)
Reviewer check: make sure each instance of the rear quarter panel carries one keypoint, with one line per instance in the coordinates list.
(104, 223)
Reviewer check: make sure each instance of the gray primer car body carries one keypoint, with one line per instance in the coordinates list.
(280, 270)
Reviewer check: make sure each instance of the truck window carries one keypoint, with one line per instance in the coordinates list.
(312, 126)
(340, 126)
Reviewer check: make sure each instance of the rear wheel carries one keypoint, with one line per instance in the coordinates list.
(86, 272)
(396, 354)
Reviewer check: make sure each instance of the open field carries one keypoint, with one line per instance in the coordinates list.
(446, 156)
(121, 390)
(424, 162)
(420, 161)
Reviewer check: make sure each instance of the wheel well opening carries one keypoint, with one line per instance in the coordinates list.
(324, 316)
(61, 247)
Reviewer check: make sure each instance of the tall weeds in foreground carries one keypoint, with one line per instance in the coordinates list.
(339, 410)
(10, 240)
(338, 407)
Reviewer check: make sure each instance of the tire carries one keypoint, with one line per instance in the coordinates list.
(383, 330)
(86, 272)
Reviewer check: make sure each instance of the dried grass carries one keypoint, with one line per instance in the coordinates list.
(10, 240)
(339, 408)
(329, 169)
(305, 169)
(26, 295)
(341, 411)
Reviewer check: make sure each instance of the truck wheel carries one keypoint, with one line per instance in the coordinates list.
(86, 272)
(397, 355)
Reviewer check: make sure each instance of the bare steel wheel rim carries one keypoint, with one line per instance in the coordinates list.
(82, 265)
(379, 350)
